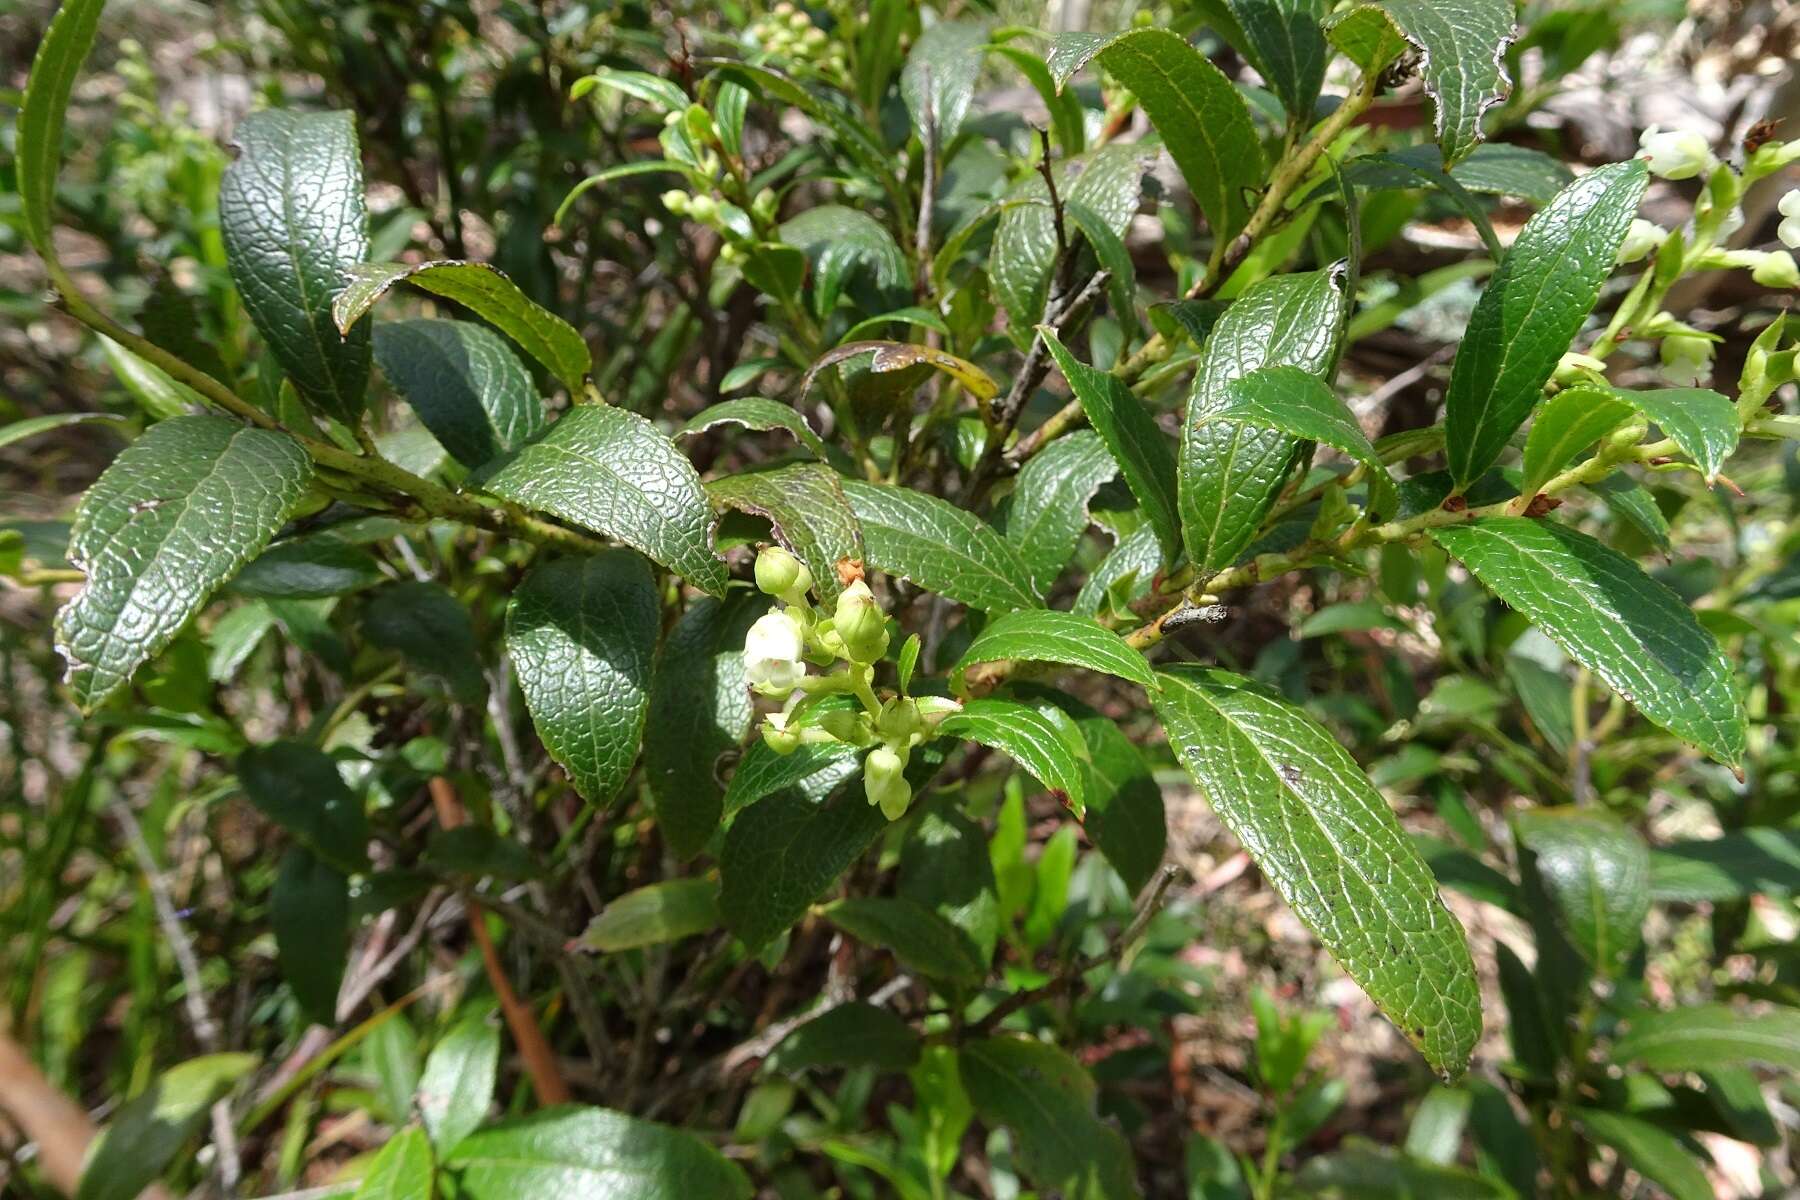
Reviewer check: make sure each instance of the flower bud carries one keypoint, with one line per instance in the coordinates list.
(898, 721)
(703, 208)
(676, 201)
(1789, 229)
(884, 781)
(1776, 270)
(765, 204)
(1643, 237)
(859, 623)
(772, 652)
(846, 725)
(1675, 153)
(779, 573)
(1686, 358)
(777, 736)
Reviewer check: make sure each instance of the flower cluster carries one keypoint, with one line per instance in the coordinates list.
(847, 644)
(787, 34)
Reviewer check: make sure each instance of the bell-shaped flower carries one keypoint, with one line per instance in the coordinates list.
(772, 651)
(1789, 229)
(1674, 153)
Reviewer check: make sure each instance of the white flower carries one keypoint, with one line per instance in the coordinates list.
(1642, 238)
(1777, 269)
(1686, 359)
(1675, 154)
(772, 652)
(1789, 229)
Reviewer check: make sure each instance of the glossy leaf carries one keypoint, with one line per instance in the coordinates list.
(1711, 1035)
(175, 515)
(582, 635)
(308, 568)
(1508, 169)
(611, 471)
(1462, 44)
(945, 865)
(1047, 1100)
(484, 291)
(1203, 120)
(654, 915)
(298, 787)
(1048, 509)
(940, 547)
(466, 384)
(1609, 616)
(1292, 401)
(849, 1035)
(815, 769)
(805, 505)
(42, 114)
(1287, 47)
(938, 80)
(431, 631)
(1649, 1150)
(18, 431)
(922, 940)
(1327, 841)
(146, 1134)
(292, 214)
(784, 852)
(699, 710)
(1047, 745)
(591, 1152)
(1745, 862)
(841, 242)
(402, 1170)
(1568, 423)
(1596, 872)
(759, 413)
(1231, 474)
(1533, 307)
(1144, 453)
(1702, 422)
(309, 912)
(458, 1082)
(1059, 637)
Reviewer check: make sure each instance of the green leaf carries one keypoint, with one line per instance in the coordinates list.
(175, 515)
(582, 636)
(1230, 474)
(1702, 422)
(611, 471)
(309, 911)
(938, 80)
(1287, 47)
(1202, 118)
(944, 865)
(1711, 1035)
(840, 241)
(654, 915)
(1110, 251)
(1596, 873)
(848, 1035)
(806, 507)
(1412, 167)
(1506, 169)
(18, 431)
(458, 1083)
(1631, 502)
(1649, 1150)
(1329, 844)
(1732, 866)
(1144, 453)
(782, 853)
(1360, 1171)
(484, 291)
(1048, 509)
(922, 940)
(1125, 815)
(466, 384)
(58, 61)
(1128, 570)
(1614, 620)
(298, 787)
(145, 1135)
(759, 413)
(403, 1170)
(424, 624)
(940, 547)
(1462, 46)
(1108, 182)
(814, 768)
(1045, 635)
(292, 214)
(1569, 423)
(699, 710)
(591, 1152)
(1532, 308)
(308, 568)
(1047, 1100)
(666, 94)
(1291, 401)
(1048, 746)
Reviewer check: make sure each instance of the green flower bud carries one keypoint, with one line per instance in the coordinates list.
(703, 208)
(884, 781)
(765, 204)
(777, 736)
(781, 574)
(860, 624)
(846, 725)
(676, 201)
(898, 721)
